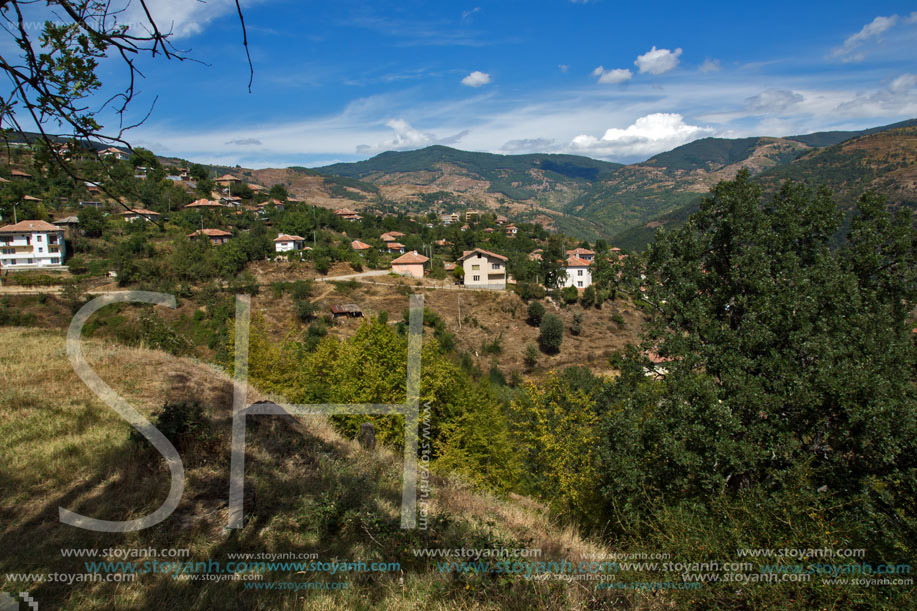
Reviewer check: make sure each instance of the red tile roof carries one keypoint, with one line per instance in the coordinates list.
(289, 238)
(410, 257)
(358, 245)
(210, 233)
(204, 203)
(576, 262)
(395, 246)
(27, 226)
(487, 253)
(580, 251)
(141, 211)
(20, 173)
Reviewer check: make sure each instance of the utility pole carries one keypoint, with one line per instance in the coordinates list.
(15, 219)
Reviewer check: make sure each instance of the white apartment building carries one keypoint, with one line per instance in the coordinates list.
(30, 244)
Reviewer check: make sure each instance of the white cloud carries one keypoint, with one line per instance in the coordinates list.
(617, 75)
(469, 13)
(476, 79)
(710, 65)
(182, 17)
(407, 138)
(563, 68)
(872, 30)
(658, 61)
(773, 101)
(898, 99)
(648, 135)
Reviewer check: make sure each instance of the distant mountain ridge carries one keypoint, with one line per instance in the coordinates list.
(609, 199)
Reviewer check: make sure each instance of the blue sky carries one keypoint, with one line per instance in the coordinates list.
(345, 80)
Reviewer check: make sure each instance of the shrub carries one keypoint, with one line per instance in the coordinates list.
(305, 310)
(588, 299)
(569, 294)
(536, 313)
(182, 422)
(322, 265)
(530, 358)
(551, 333)
(577, 327)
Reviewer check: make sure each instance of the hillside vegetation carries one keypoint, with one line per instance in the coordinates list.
(310, 491)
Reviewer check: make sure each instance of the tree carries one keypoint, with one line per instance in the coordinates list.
(577, 327)
(789, 364)
(56, 73)
(198, 172)
(588, 298)
(551, 333)
(530, 357)
(278, 191)
(536, 313)
(92, 222)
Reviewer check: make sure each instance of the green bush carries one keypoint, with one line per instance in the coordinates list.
(535, 313)
(551, 333)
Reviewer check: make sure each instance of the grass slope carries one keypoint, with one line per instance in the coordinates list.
(310, 492)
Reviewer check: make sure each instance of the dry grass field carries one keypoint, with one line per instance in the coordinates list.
(309, 491)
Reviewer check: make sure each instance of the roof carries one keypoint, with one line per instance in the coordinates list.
(70, 220)
(210, 233)
(410, 257)
(347, 308)
(575, 261)
(29, 198)
(283, 237)
(204, 203)
(486, 253)
(141, 211)
(27, 226)
(448, 266)
(395, 245)
(343, 211)
(20, 173)
(580, 251)
(358, 245)
(228, 177)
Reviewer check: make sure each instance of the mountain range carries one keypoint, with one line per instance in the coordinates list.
(627, 203)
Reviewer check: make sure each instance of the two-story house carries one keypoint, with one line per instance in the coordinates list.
(287, 243)
(484, 269)
(576, 273)
(31, 244)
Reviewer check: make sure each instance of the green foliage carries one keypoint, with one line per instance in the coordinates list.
(588, 299)
(577, 327)
(530, 358)
(92, 222)
(569, 294)
(535, 313)
(183, 423)
(551, 333)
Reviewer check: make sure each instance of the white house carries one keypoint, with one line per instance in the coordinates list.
(484, 269)
(576, 273)
(31, 244)
(286, 243)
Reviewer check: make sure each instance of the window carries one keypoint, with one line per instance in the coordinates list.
(579, 284)
(55, 261)
(494, 266)
(475, 267)
(477, 278)
(579, 272)
(40, 250)
(38, 238)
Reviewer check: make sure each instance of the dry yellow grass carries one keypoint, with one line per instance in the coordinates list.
(63, 448)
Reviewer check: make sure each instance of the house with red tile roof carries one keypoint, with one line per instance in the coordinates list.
(204, 203)
(359, 246)
(410, 264)
(395, 247)
(216, 236)
(576, 273)
(141, 214)
(287, 243)
(583, 253)
(484, 269)
(30, 244)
